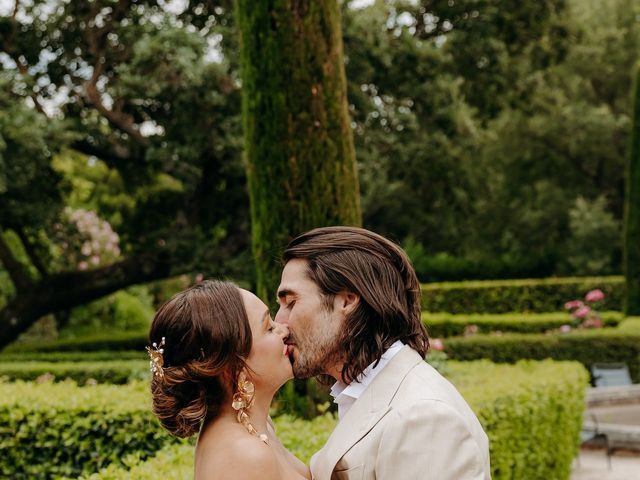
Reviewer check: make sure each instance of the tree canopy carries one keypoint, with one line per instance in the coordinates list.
(490, 138)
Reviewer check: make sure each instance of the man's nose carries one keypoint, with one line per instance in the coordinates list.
(280, 317)
(282, 329)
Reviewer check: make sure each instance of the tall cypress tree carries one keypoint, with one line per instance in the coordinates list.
(298, 139)
(632, 209)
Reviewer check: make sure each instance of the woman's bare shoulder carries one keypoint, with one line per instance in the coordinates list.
(239, 457)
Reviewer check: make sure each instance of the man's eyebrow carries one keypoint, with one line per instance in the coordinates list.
(285, 292)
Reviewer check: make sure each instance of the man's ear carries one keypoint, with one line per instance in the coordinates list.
(347, 301)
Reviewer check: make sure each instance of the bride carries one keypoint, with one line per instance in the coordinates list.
(218, 359)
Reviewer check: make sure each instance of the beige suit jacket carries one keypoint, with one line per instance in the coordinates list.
(410, 423)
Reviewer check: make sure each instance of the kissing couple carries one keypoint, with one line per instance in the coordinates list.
(349, 308)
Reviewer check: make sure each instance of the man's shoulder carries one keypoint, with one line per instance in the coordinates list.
(424, 382)
(424, 385)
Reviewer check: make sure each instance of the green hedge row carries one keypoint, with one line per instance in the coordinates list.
(449, 325)
(619, 345)
(78, 356)
(503, 296)
(53, 430)
(122, 341)
(532, 413)
(112, 371)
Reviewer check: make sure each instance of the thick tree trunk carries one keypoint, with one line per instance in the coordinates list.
(632, 209)
(298, 139)
(63, 291)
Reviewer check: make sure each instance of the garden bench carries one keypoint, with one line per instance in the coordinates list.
(592, 436)
(610, 374)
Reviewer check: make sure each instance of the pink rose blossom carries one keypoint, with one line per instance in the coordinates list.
(573, 304)
(83, 265)
(582, 312)
(594, 296)
(565, 328)
(436, 344)
(592, 323)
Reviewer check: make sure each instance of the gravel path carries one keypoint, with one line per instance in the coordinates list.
(593, 466)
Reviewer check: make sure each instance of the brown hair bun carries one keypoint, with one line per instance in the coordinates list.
(207, 335)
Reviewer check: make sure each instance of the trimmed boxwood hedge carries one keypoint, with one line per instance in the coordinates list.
(53, 430)
(449, 325)
(74, 356)
(108, 341)
(532, 413)
(619, 345)
(113, 371)
(503, 296)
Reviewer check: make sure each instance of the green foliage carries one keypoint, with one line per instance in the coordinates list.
(532, 413)
(585, 346)
(79, 356)
(495, 296)
(595, 234)
(632, 210)
(630, 324)
(531, 95)
(91, 343)
(442, 266)
(124, 311)
(449, 325)
(61, 430)
(30, 190)
(175, 462)
(129, 112)
(304, 438)
(110, 371)
(304, 399)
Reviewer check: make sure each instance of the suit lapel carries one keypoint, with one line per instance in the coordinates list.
(366, 412)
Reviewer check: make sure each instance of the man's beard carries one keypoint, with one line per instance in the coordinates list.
(313, 358)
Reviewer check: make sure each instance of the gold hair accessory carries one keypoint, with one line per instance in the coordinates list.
(156, 360)
(243, 400)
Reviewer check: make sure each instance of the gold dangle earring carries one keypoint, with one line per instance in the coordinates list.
(242, 402)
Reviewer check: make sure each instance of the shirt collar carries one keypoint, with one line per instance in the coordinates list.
(341, 390)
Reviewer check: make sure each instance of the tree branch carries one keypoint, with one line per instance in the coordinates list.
(30, 248)
(65, 290)
(112, 156)
(96, 40)
(19, 275)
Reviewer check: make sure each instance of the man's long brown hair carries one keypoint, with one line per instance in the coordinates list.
(380, 273)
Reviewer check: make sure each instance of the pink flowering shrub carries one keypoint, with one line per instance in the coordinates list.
(436, 344)
(86, 241)
(583, 312)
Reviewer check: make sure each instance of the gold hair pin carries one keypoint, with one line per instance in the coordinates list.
(156, 360)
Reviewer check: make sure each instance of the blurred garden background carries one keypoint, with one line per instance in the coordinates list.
(147, 145)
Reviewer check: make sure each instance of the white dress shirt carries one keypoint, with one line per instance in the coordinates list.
(346, 395)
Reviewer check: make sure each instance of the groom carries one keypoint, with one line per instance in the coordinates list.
(351, 300)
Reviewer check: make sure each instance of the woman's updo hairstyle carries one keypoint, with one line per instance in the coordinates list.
(207, 337)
